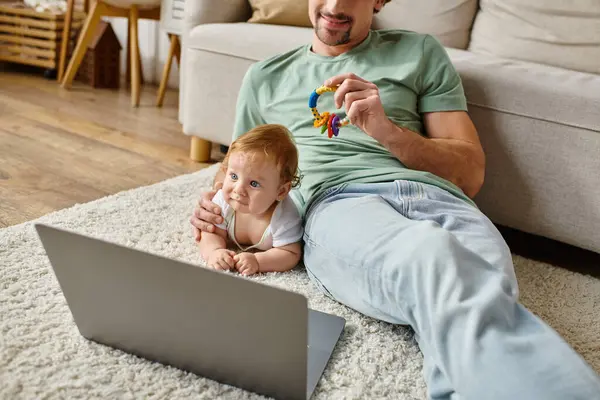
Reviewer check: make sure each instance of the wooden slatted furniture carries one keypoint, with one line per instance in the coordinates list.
(35, 38)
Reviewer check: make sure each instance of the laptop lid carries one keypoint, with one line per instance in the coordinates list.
(217, 325)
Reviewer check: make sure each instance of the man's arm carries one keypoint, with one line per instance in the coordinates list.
(451, 151)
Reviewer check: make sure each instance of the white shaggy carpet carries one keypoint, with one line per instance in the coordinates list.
(42, 355)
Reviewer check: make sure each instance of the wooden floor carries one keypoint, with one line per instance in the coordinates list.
(59, 147)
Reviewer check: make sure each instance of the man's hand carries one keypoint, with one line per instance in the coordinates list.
(451, 149)
(246, 263)
(206, 213)
(221, 259)
(362, 103)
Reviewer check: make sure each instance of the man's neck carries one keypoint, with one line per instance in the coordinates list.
(323, 49)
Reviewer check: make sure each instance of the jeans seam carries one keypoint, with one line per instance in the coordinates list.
(323, 248)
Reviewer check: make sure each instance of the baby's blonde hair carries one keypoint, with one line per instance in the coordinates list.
(276, 144)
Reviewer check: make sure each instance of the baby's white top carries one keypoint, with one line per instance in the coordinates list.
(285, 227)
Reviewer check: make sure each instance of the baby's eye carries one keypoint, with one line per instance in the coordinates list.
(233, 176)
(254, 184)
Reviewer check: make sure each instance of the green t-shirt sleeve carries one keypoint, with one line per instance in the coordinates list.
(441, 86)
(247, 112)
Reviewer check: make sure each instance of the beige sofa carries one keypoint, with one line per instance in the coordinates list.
(531, 72)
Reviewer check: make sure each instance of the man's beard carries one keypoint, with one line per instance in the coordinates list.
(321, 32)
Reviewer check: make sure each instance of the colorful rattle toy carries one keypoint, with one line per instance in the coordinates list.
(328, 122)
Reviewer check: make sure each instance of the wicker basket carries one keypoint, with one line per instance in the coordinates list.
(34, 38)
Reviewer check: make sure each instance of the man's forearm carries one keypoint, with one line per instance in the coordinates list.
(457, 161)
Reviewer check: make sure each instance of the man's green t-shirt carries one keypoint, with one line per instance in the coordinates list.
(414, 75)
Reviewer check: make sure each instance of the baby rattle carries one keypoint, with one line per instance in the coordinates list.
(328, 122)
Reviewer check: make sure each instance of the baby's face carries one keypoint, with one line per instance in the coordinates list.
(252, 184)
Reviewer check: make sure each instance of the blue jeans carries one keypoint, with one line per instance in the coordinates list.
(413, 254)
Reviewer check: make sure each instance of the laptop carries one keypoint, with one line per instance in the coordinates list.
(214, 324)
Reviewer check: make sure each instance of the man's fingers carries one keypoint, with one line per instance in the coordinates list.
(351, 97)
(208, 205)
(209, 217)
(201, 225)
(338, 79)
(357, 108)
(206, 216)
(351, 86)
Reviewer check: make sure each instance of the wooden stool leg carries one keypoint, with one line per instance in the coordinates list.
(128, 53)
(87, 34)
(139, 53)
(200, 149)
(177, 50)
(166, 71)
(135, 59)
(128, 62)
(66, 36)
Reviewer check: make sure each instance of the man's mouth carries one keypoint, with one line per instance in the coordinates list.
(335, 21)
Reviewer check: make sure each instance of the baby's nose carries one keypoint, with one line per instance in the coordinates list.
(240, 190)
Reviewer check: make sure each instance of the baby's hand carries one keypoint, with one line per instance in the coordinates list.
(246, 263)
(221, 259)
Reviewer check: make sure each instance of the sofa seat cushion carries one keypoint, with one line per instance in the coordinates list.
(260, 41)
(529, 89)
(554, 32)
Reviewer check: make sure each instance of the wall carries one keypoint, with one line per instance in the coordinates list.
(154, 47)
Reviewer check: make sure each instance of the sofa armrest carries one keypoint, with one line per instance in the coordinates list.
(199, 12)
(215, 11)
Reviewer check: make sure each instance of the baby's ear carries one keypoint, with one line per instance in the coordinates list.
(284, 190)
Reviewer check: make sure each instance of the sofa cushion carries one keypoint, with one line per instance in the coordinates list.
(528, 89)
(449, 21)
(258, 42)
(555, 32)
(280, 12)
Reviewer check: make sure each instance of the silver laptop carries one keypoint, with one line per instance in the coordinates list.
(217, 325)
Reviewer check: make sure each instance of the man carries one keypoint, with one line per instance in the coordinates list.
(391, 229)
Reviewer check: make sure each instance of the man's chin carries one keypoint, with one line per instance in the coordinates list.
(332, 38)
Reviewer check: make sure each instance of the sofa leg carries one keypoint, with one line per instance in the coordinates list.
(200, 149)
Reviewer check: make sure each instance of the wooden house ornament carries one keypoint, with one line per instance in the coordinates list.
(101, 64)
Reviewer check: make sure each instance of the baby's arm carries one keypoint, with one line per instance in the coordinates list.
(213, 248)
(279, 259)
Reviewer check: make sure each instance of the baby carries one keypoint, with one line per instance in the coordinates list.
(261, 167)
